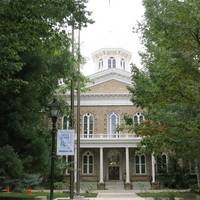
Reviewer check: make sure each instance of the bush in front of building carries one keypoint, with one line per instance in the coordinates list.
(176, 180)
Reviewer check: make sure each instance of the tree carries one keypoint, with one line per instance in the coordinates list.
(34, 55)
(168, 86)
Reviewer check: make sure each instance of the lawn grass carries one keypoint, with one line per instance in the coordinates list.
(157, 195)
(25, 196)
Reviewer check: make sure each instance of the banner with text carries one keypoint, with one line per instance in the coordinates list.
(65, 142)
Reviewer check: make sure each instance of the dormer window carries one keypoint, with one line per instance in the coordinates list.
(100, 63)
(111, 62)
(122, 63)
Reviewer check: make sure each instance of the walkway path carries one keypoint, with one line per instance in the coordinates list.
(119, 195)
(115, 190)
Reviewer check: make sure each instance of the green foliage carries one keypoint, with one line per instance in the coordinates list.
(34, 55)
(175, 177)
(61, 185)
(30, 180)
(167, 195)
(128, 119)
(168, 86)
(10, 164)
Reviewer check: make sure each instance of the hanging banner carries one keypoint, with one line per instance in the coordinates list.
(65, 142)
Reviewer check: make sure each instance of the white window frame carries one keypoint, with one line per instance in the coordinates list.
(112, 134)
(100, 63)
(88, 135)
(122, 63)
(140, 165)
(111, 62)
(138, 115)
(163, 154)
(87, 154)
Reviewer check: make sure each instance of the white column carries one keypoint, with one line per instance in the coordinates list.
(101, 165)
(153, 168)
(75, 164)
(127, 166)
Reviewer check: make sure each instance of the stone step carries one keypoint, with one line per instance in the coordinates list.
(115, 185)
(126, 198)
(118, 195)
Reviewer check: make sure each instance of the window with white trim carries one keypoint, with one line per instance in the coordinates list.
(122, 63)
(140, 164)
(88, 125)
(111, 62)
(88, 163)
(65, 122)
(100, 63)
(138, 118)
(113, 123)
(162, 163)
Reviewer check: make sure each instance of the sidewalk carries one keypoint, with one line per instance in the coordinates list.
(118, 194)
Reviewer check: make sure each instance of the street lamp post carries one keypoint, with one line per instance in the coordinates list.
(54, 109)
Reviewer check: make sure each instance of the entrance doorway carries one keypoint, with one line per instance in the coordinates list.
(113, 173)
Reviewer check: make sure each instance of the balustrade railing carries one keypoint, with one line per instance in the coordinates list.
(109, 136)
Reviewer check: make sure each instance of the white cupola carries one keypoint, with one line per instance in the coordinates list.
(111, 58)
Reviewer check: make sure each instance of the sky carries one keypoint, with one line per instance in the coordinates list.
(114, 22)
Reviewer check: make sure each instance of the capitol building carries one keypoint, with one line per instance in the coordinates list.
(106, 153)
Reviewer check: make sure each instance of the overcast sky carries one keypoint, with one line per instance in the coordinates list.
(112, 28)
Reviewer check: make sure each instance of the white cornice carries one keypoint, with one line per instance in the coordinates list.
(111, 51)
(104, 100)
(106, 94)
(117, 143)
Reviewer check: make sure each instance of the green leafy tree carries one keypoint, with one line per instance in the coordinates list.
(168, 86)
(34, 54)
(8, 159)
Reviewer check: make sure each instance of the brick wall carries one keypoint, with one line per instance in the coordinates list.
(111, 86)
(100, 114)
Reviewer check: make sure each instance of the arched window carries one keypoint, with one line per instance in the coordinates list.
(161, 162)
(111, 62)
(140, 164)
(88, 163)
(88, 125)
(100, 63)
(122, 63)
(65, 122)
(138, 118)
(113, 122)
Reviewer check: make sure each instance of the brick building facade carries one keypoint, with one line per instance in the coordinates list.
(106, 153)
